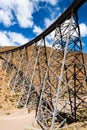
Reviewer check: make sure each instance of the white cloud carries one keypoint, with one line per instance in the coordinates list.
(83, 43)
(47, 22)
(50, 37)
(83, 29)
(12, 38)
(23, 10)
(6, 17)
(37, 30)
(52, 2)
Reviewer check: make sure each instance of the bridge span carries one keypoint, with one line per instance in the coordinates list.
(52, 80)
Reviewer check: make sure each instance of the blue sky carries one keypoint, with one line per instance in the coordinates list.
(22, 20)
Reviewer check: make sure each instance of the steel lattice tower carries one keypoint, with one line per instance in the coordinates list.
(51, 80)
(63, 93)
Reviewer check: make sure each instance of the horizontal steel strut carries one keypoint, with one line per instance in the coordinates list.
(50, 79)
(67, 13)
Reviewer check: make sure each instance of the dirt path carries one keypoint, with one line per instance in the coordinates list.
(17, 121)
(22, 120)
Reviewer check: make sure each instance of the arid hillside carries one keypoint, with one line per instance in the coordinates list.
(8, 100)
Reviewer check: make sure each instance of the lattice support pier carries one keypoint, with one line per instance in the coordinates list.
(65, 77)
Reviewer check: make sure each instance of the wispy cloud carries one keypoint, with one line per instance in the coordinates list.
(19, 11)
(37, 30)
(6, 18)
(52, 2)
(12, 38)
(47, 22)
(83, 29)
(22, 9)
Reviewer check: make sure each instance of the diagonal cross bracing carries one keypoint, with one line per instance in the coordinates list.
(63, 90)
(51, 79)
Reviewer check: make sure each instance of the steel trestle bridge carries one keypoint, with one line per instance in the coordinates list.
(51, 80)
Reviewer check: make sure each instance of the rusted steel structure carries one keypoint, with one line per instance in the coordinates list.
(53, 80)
